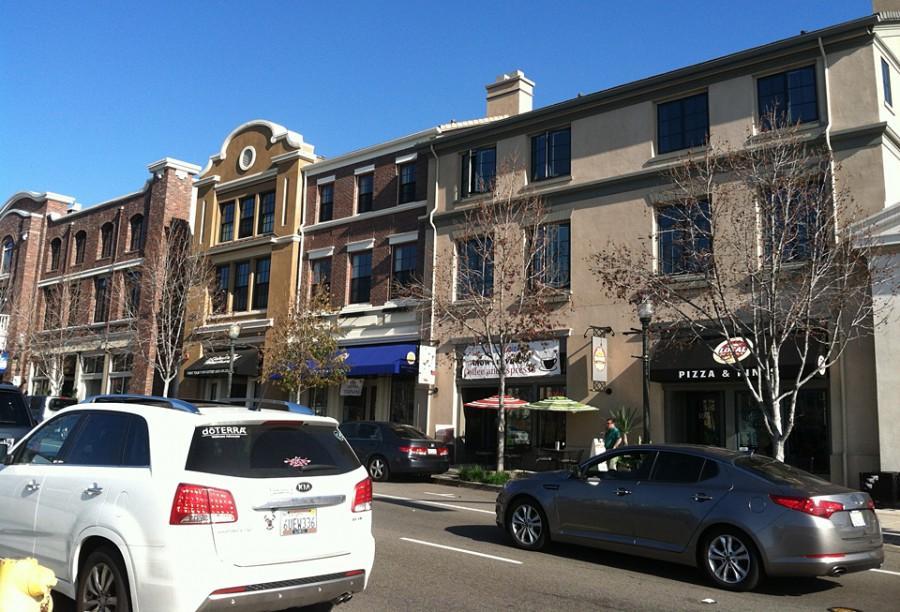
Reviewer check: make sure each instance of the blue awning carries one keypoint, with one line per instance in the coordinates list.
(381, 359)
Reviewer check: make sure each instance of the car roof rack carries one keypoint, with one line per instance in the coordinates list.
(259, 403)
(148, 400)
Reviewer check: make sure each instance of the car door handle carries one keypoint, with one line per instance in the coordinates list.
(701, 497)
(94, 489)
(32, 486)
(620, 492)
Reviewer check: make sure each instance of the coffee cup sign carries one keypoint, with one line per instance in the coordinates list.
(732, 350)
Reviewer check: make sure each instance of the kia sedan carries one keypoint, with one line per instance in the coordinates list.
(391, 448)
(736, 516)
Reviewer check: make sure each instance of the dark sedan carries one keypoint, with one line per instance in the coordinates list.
(736, 516)
(390, 448)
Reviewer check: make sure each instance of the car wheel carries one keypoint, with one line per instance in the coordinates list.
(378, 468)
(102, 584)
(730, 560)
(527, 525)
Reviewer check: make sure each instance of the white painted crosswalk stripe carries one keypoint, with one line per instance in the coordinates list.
(462, 550)
(428, 502)
(881, 571)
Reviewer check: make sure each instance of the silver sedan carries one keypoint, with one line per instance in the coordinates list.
(736, 516)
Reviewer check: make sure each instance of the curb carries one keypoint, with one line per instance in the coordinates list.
(463, 484)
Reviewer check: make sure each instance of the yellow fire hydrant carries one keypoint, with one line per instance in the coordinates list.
(25, 586)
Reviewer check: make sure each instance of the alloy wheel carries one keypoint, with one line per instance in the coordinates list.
(101, 593)
(377, 468)
(527, 525)
(728, 559)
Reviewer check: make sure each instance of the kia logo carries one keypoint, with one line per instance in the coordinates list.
(304, 487)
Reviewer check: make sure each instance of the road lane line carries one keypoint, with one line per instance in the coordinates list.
(881, 571)
(440, 494)
(462, 550)
(434, 503)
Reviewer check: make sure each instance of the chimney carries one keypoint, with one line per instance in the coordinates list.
(510, 94)
(886, 6)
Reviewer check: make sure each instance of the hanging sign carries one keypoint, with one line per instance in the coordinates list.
(542, 359)
(352, 387)
(427, 361)
(599, 360)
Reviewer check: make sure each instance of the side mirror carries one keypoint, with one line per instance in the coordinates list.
(575, 472)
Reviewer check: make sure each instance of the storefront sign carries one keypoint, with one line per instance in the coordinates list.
(427, 361)
(599, 360)
(542, 359)
(732, 350)
(352, 387)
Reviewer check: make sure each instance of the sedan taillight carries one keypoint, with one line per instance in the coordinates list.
(808, 505)
(199, 505)
(362, 496)
(443, 451)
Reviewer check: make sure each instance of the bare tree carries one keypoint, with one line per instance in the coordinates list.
(753, 257)
(302, 350)
(172, 277)
(505, 284)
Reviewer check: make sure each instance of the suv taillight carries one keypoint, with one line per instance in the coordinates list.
(199, 505)
(815, 507)
(362, 498)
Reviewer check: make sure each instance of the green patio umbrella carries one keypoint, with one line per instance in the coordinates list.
(559, 403)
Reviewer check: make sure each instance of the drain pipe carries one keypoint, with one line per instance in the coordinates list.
(437, 174)
(844, 446)
(302, 226)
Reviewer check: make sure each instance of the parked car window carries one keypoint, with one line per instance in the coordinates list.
(46, 445)
(368, 431)
(677, 467)
(270, 450)
(710, 470)
(408, 433)
(13, 410)
(58, 403)
(137, 445)
(777, 472)
(350, 430)
(100, 441)
(624, 466)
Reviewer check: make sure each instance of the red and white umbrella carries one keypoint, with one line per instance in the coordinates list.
(509, 402)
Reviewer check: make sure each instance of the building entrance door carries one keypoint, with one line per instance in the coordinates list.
(361, 407)
(704, 417)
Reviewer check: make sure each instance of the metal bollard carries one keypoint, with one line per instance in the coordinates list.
(25, 586)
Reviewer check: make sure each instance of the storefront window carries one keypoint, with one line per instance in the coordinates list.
(403, 400)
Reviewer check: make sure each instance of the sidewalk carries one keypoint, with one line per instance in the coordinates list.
(890, 525)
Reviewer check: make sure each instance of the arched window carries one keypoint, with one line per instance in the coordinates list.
(106, 240)
(7, 255)
(55, 247)
(137, 233)
(80, 239)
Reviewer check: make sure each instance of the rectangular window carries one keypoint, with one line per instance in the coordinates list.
(241, 286)
(52, 314)
(682, 124)
(326, 202)
(551, 154)
(790, 97)
(361, 277)
(407, 183)
(475, 268)
(101, 299)
(220, 299)
(684, 239)
(364, 187)
(245, 225)
(789, 223)
(261, 284)
(886, 82)
(479, 169)
(226, 226)
(266, 222)
(132, 293)
(404, 268)
(320, 270)
(92, 364)
(551, 259)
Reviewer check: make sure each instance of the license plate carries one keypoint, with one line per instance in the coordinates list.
(857, 518)
(297, 522)
(432, 451)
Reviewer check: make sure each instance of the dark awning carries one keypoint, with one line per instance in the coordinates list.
(246, 363)
(383, 359)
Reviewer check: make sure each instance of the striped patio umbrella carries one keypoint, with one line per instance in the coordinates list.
(509, 403)
(559, 403)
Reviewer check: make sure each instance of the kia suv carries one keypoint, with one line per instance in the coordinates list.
(165, 506)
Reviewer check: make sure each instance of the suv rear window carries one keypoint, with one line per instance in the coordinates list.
(13, 411)
(777, 472)
(270, 450)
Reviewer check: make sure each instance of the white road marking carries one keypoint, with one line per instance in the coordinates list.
(440, 494)
(462, 550)
(434, 503)
(881, 571)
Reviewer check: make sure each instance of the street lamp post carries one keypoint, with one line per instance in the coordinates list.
(645, 314)
(234, 332)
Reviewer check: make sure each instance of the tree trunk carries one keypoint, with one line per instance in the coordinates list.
(165, 389)
(778, 447)
(501, 426)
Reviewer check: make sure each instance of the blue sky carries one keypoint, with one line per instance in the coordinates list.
(93, 91)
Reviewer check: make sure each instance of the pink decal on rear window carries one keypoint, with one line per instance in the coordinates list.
(298, 462)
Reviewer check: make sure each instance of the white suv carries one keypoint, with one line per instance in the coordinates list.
(159, 505)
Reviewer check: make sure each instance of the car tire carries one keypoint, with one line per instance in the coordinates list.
(730, 560)
(526, 524)
(101, 579)
(378, 468)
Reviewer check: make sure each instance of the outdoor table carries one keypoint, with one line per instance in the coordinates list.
(562, 456)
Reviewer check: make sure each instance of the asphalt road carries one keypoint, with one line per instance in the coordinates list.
(437, 548)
